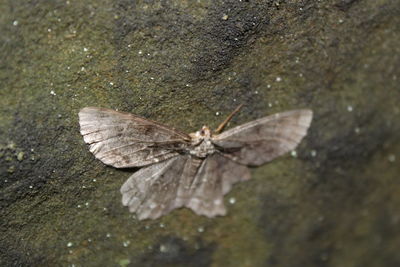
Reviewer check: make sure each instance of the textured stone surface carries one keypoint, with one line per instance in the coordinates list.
(189, 63)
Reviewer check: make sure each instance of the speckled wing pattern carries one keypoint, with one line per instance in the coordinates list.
(213, 180)
(183, 181)
(124, 140)
(260, 141)
(171, 177)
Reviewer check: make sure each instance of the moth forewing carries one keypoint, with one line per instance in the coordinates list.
(259, 141)
(124, 140)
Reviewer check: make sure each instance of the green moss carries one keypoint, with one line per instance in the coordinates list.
(124, 262)
(20, 156)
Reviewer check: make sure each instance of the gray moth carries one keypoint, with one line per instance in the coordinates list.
(186, 170)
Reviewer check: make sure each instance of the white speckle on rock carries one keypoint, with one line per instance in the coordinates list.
(217, 113)
(313, 153)
(278, 79)
(200, 229)
(349, 108)
(293, 154)
(70, 244)
(15, 22)
(94, 180)
(357, 130)
(232, 200)
(126, 243)
(111, 83)
(52, 92)
(108, 235)
(392, 158)
(85, 49)
(163, 248)
(162, 225)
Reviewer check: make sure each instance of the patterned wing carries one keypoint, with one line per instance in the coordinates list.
(262, 140)
(199, 184)
(157, 189)
(124, 140)
(213, 180)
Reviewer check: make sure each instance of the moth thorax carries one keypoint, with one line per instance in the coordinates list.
(203, 149)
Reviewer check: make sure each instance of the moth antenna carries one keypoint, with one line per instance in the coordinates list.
(225, 122)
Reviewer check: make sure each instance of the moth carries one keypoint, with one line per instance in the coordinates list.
(186, 170)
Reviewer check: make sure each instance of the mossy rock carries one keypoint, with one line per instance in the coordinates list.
(189, 63)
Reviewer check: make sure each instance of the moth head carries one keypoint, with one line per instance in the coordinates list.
(204, 132)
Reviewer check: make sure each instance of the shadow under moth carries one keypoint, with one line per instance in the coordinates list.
(186, 170)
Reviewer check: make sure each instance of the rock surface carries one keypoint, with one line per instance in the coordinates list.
(189, 63)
